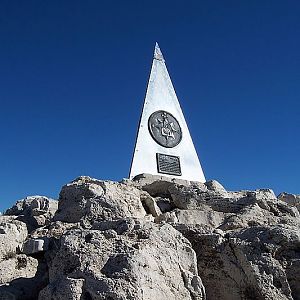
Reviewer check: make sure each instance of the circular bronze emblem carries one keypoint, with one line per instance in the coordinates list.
(164, 129)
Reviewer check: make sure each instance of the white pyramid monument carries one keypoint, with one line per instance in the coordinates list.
(164, 145)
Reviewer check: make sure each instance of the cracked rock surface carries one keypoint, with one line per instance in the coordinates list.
(152, 237)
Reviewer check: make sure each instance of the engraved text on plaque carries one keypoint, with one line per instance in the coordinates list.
(168, 164)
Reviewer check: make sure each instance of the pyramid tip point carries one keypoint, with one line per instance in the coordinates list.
(157, 52)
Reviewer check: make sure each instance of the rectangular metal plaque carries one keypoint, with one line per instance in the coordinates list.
(168, 164)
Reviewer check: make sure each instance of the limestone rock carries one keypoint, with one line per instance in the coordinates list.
(17, 266)
(93, 199)
(189, 198)
(55, 230)
(22, 277)
(195, 197)
(207, 217)
(293, 277)
(215, 186)
(12, 235)
(157, 185)
(235, 260)
(151, 238)
(35, 211)
(248, 264)
(66, 288)
(150, 205)
(291, 199)
(146, 261)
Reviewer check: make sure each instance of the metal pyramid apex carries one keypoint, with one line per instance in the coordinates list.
(164, 145)
(157, 53)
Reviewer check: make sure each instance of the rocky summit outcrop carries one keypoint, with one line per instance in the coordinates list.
(151, 238)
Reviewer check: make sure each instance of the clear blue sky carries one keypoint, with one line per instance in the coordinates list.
(73, 76)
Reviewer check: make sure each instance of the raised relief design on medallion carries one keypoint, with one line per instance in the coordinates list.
(164, 129)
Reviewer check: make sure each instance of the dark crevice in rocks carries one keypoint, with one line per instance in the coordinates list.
(69, 269)
(165, 204)
(146, 208)
(115, 265)
(86, 296)
(251, 294)
(236, 259)
(88, 238)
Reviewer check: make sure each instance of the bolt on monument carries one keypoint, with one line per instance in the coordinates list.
(164, 145)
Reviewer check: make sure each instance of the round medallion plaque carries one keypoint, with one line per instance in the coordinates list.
(164, 129)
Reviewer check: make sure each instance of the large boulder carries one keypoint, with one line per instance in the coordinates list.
(247, 243)
(146, 261)
(229, 210)
(252, 263)
(156, 185)
(92, 199)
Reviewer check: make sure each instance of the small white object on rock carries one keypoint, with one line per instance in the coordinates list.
(32, 246)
